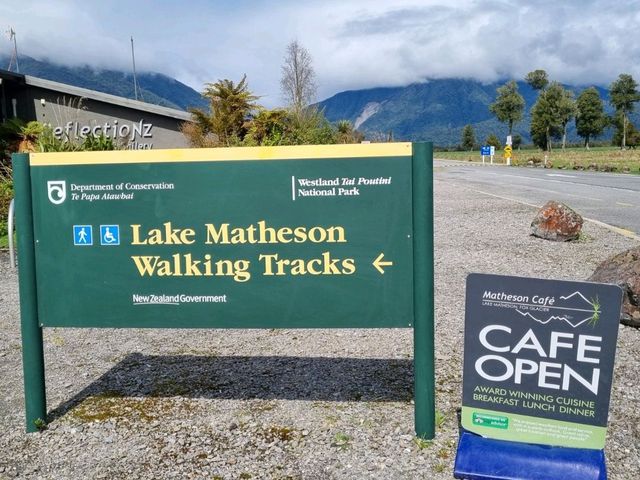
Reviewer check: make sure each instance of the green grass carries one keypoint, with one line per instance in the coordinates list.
(341, 440)
(422, 443)
(40, 424)
(596, 158)
(440, 418)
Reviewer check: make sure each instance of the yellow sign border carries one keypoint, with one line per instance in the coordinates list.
(366, 150)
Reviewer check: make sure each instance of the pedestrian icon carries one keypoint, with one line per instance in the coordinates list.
(109, 235)
(82, 235)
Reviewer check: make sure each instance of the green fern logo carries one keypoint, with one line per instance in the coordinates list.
(595, 303)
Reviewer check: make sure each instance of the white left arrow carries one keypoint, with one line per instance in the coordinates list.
(378, 263)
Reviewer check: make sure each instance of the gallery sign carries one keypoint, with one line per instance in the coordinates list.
(137, 135)
(538, 359)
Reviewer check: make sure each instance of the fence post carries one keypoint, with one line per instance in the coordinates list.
(423, 330)
(32, 351)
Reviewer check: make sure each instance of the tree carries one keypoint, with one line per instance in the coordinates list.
(310, 127)
(516, 141)
(509, 104)
(623, 94)
(566, 111)
(468, 138)
(230, 107)
(538, 79)
(590, 117)
(298, 78)
(632, 135)
(546, 116)
(268, 128)
(538, 131)
(199, 131)
(345, 133)
(493, 141)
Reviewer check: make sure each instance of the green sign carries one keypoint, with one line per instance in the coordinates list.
(273, 237)
(323, 242)
(538, 359)
(491, 421)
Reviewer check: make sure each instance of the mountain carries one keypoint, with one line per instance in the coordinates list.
(436, 110)
(153, 87)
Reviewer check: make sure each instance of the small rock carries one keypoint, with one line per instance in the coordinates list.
(556, 221)
(623, 270)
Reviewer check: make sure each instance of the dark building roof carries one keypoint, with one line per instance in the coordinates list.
(20, 80)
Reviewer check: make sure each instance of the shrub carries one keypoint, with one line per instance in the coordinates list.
(493, 141)
(6, 194)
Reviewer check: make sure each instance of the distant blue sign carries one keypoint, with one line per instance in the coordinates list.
(485, 150)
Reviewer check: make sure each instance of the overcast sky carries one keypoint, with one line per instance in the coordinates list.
(354, 44)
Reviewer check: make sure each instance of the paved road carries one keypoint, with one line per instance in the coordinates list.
(606, 197)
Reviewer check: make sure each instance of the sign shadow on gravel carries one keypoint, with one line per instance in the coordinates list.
(250, 378)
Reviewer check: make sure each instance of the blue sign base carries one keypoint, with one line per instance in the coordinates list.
(480, 458)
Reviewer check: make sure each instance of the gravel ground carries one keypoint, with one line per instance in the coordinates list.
(288, 404)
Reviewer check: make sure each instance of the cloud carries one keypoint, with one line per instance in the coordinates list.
(355, 44)
(577, 42)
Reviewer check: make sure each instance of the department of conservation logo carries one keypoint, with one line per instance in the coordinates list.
(57, 191)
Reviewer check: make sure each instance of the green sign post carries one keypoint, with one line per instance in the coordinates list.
(272, 237)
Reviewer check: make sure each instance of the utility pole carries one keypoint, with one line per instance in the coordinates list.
(135, 80)
(12, 36)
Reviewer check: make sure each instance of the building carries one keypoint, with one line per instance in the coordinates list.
(75, 112)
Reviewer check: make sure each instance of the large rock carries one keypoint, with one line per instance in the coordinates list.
(555, 221)
(623, 269)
